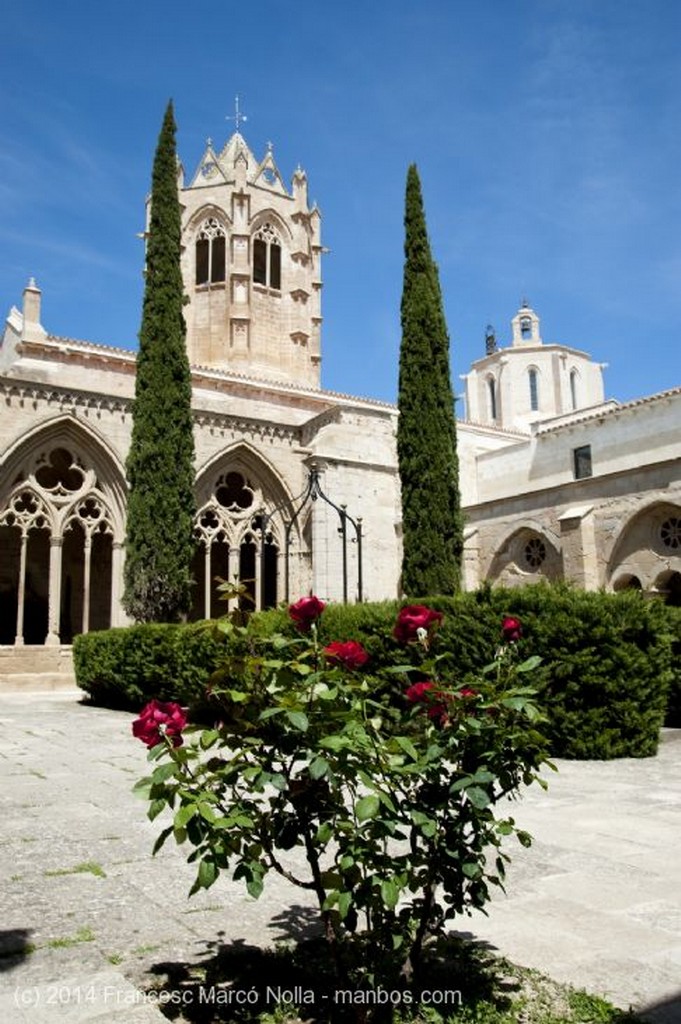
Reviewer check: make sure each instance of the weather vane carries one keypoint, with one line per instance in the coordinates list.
(238, 117)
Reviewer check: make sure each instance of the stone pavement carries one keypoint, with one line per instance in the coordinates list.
(90, 919)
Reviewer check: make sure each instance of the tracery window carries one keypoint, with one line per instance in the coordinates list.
(56, 552)
(230, 548)
(211, 253)
(670, 533)
(534, 552)
(267, 257)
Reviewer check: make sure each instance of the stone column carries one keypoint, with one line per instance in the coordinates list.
(578, 542)
(21, 592)
(54, 595)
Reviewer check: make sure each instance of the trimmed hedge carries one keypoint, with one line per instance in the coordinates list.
(124, 668)
(606, 673)
(674, 702)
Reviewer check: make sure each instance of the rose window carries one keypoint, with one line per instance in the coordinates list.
(234, 492)
(535, 552)
(670, 532)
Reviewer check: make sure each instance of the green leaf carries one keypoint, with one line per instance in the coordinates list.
(319, 768)
(367, 807)
(207, 874)
(478, 797)
(269, 713)
(472, 869)
(207, 813)
(530, 664)
(238, 696)
(324, 833)
(255, 887)
(344, 904)
(161, 840)
(208, 738)
(184, 814)
(165, 771)
(142, 788)
(155, 808)
(298, 720)
(406, 744)
(524, 838)
(390, 893)
(336, 742)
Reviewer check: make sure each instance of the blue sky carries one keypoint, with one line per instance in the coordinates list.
(545, 133)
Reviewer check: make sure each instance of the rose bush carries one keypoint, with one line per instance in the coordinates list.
(395, 792)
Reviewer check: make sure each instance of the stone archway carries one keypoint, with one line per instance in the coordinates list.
(648, 547)
(527, 555)
(61, 536)
(234, 493)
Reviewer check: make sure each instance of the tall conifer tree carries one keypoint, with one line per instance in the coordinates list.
(432, 524)
(159, 542)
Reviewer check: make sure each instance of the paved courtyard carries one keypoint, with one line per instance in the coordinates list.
(89, 918)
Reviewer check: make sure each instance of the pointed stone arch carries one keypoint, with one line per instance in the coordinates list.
(235, 489)
(528, 554)
(62, 527)
(647, 546)
(270, 215)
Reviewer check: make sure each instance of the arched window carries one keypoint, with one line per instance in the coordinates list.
(267, 257)
(573, 388)
(534, 390)
(492, 394)
(57, 504)
(525, 328)
(230, 547)
(210, 253)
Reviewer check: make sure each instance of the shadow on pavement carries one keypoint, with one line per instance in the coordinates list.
(14, 947)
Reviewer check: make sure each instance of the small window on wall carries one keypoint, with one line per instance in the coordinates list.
(492, 393)
(582, 462)
(210, 253)
(573, 388)
(534, 390)
(526, 328)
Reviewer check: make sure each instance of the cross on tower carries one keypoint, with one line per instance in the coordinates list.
(238, 116)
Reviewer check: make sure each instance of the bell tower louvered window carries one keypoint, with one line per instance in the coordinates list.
(210, 253)
(267, 257)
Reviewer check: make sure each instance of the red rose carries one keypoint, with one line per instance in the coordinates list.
(306, 611)
(348, 655)
(412, 618)
(417, 693)
(428, 693)
(158, 719)
(466, 691)
(511, 629)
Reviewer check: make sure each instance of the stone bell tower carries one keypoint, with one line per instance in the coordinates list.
(251, 266)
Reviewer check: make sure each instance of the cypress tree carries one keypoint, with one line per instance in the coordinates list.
(432, 525)
(159, 542)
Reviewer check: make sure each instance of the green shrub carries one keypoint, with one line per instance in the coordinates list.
(674, 702)
(123, 668)
(606, 674)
